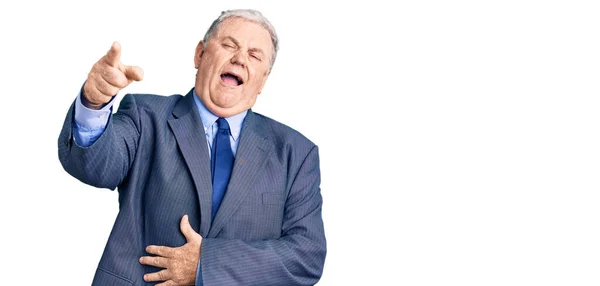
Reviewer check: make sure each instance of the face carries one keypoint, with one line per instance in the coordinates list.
(234, 66)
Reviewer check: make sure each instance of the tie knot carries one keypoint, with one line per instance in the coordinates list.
(223, 125)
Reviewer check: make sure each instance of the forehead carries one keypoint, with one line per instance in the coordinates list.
(245, 32)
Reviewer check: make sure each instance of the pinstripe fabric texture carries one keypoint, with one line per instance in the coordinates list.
(268, 229)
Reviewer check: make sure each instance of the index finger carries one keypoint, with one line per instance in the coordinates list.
(113, 56)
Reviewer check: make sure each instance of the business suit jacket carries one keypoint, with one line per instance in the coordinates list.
(268, 229)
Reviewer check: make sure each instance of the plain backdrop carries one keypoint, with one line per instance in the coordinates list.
(459, 140)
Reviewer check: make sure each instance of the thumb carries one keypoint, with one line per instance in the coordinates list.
(187, 230)
(113, 56)
(133, 73)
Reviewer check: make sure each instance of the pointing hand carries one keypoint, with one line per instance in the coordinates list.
(107, 77)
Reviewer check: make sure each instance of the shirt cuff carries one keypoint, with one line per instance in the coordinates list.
(89, 123)
(91, 119)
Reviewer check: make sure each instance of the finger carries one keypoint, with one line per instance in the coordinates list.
(113, 57)
(104, 87)
(167, 283)
(162, 275)
(163, 251)
(96, 97)
(115, 77)
(187, 230)
(155, 261)
(133, 73)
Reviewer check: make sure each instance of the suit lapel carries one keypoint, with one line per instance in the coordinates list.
(252, 152)
(189, 134)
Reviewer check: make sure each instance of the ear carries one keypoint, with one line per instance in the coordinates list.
(198, 54)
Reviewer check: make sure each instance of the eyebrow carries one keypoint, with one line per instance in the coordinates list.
(232, 39)
(258, 50)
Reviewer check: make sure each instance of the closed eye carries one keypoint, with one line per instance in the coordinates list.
(256, 57)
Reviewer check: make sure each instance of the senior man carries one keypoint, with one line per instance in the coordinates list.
(210, 193)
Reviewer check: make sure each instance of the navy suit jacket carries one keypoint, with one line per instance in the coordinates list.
(268, 229)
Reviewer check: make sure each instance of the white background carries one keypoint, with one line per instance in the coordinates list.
(459, 140)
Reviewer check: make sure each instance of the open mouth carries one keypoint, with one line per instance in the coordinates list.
(231, 79)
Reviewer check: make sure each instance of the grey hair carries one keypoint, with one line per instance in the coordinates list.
(250, 15)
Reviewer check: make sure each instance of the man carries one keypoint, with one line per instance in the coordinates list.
(210, 192)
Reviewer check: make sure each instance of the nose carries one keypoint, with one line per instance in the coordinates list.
(238, 58)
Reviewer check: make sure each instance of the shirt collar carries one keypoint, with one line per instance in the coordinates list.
(208, 118)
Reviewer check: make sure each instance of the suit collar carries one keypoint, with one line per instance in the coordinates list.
(187, 129)
(184, 106)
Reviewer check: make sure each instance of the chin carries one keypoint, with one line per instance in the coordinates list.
(225, 100)
(223, 104)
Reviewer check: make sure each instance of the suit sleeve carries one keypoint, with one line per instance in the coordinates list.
(296, 258)
(106, 162)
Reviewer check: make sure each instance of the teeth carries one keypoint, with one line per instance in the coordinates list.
(237, 78)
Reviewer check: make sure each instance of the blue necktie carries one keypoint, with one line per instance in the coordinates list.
(221, 164)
